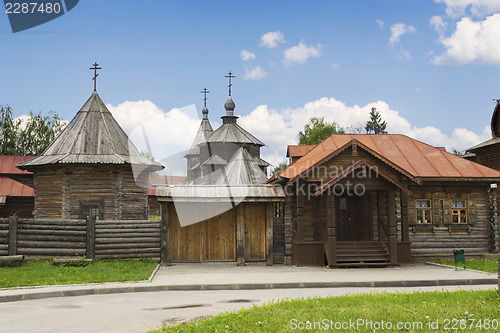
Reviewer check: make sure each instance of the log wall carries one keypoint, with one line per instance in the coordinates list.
(441, 237)
(43, 238)
(60, 192)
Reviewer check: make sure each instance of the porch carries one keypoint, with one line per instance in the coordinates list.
(364, 229)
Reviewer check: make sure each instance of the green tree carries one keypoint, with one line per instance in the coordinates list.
(375, 125)
(31, 137)
(318, 130)
(280, 167)
(457, 152)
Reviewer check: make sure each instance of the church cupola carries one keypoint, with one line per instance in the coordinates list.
(229, 118)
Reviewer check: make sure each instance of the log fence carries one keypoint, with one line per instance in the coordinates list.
(107, 239)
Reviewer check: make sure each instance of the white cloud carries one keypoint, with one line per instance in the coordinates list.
(166, 133)
(380, 23)
(255, 73)
(472, 42)
(458, 8)
(277, 129)
(398, 30)
(301, 53)
(403, 54)
(438, 24)
(247, 55)
(271, 39)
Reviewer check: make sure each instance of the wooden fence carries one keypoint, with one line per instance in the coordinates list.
(42, 238)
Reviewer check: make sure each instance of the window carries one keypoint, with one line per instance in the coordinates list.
(91, 209)
(459, 211)
(423, 211)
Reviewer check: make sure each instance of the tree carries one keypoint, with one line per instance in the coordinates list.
(318, 130)
(457, 152)
(280, 167)
(375, 125)
(30, 137)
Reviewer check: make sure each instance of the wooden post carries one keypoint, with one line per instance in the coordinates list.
(300, 213)
(269, 233)
(240, 234)
(331, 227)
(405, 228)
(12, 235)
(391, 212)
(90, 253)
(165, 234)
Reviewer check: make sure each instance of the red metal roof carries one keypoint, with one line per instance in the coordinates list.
(155, 179)
(8, 164)
(298, 150)
(8, 186)
(414, 157)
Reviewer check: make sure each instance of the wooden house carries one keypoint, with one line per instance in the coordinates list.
(91, 168)
(16, 194)
(361, 200)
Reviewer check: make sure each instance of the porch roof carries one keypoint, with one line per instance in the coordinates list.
(409, 156)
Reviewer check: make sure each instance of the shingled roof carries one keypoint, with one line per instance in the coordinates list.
(204, 131)
(413, 157)
(242, 170)
(92, 137)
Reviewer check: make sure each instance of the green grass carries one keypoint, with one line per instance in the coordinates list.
(154, 217)
(404, 307)
(485, 265)
(44, 272)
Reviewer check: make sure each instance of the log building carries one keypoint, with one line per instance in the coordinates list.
(371, 200)
(91, 168)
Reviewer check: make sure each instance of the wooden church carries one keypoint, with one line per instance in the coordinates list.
(225, 212)
(91, 168)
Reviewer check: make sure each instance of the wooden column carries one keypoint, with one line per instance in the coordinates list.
(393, 242)
(90, 253)
(405, 229)
(12, 235)
(240, 234)
(331, 227)
(165, 234)
(381, 215)
(300, 213)
(269, 233)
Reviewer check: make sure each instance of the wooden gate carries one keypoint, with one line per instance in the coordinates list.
(214, 239)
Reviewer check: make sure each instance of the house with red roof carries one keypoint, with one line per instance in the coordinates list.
(384, 199)
(16, 194)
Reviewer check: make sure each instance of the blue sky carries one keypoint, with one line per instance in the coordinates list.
(430, 67)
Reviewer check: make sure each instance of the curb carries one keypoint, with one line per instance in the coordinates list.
(246, 286)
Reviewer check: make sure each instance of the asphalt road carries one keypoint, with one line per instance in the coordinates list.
(136, 312)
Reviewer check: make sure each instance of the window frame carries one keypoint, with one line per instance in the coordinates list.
(423, 209)
(457, 211)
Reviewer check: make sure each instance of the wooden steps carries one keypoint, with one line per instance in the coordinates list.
(362, 254)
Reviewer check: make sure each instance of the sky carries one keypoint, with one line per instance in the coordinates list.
(429, 66)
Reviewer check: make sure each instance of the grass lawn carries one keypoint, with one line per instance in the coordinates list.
(485, 265)
(476, 311)
(44, 272)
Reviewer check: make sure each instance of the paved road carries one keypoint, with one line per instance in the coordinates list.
(136, 312)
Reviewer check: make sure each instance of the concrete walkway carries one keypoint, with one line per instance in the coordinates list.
(228, 276)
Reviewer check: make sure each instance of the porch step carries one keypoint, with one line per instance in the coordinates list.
(362, 254)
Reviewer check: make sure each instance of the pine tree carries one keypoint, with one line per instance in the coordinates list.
(375, 125)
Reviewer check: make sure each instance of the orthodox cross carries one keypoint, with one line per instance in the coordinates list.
(205, 92)
(230, 76)
(95, 68)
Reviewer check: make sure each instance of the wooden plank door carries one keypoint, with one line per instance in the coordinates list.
(185, 242)
(255, 232)
(219, 237)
